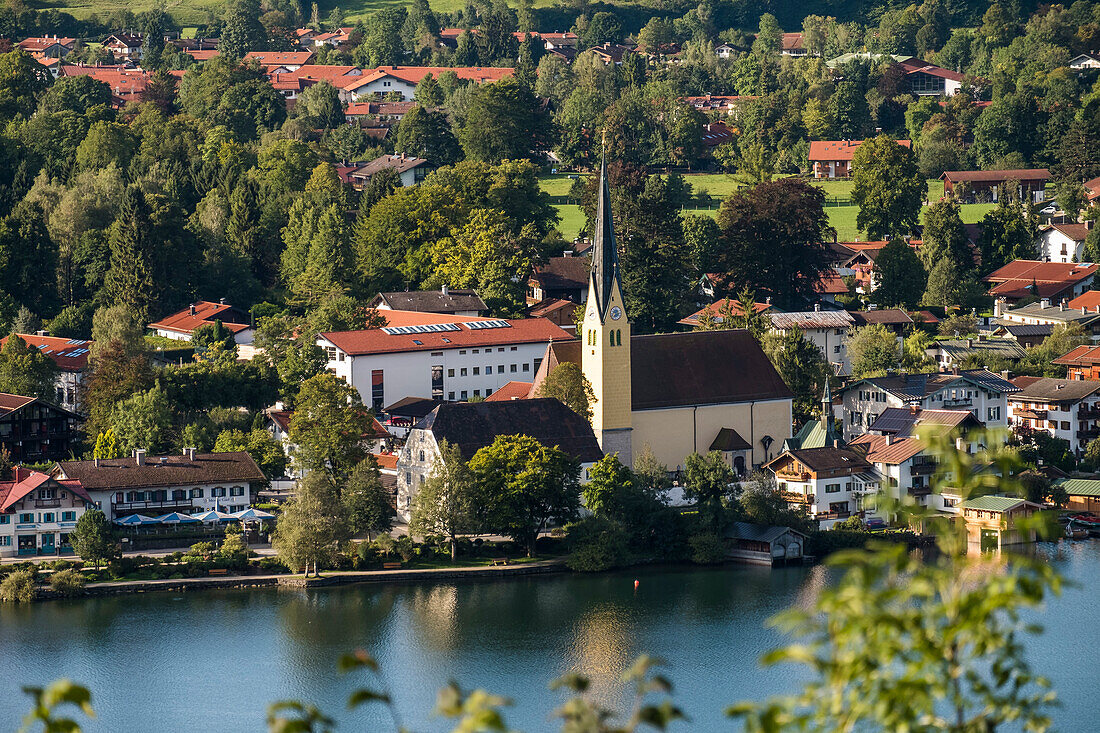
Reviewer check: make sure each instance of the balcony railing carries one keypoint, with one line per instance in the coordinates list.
(920, 490)
(1093, 414)
(129, 507)
(1089, 433)
(832, 515)
(922, 469)
(47, 503)
(798, 498)
(792, 476)
(958, 402)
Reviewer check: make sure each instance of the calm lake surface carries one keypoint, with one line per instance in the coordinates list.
(211, 661)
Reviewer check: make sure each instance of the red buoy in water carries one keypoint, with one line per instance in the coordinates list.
(636, 584)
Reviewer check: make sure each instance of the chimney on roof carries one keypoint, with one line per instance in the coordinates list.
(95, 462)
(191, 308)
(913, 409)
(445, 290)
(768, 300)
(817, 307)
(889, 439)
(1044, 303)
(17, 474)
(1062, 305)
(1004, 374)
(221, 301)
(970, 343)
(189, 453)
(139, 457)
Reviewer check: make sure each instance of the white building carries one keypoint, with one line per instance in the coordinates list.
(402, 80)
(37, 513)
(437, 356)
(410, 170)
(977, 391)
(190, 483)
(1062, 242)
(1090, 60)
(474, 425)
(830, 482)
(1068, 409)
(827, 330)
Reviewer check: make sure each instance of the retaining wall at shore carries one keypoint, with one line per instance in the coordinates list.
(182, 585)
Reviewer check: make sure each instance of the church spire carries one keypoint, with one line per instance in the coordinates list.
(605, 254)
(827, 405)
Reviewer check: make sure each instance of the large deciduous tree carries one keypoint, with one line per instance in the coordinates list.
(311, 525)
(523, 485)
(504, 121)
(366, 501)
(901, 276)
(873, 349)
(94, 538)
(773, 241)
(26, 371)
(711, 484)
(242, 31)
(328, 425)
(803, 368)
(567, 384)
(887, 187)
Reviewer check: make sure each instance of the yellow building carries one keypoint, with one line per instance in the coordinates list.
(675, 394)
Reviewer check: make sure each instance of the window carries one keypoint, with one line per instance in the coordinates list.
(1065, 425)
(488, 392)
(513, 369)
(68, 516)
(5, 541)
(526, 367)
(832, 488)
(26, 518)
(197, 493)
(437, 382)
(836, 349)
(462, 351)
(514, 348)
(477, 371)
(477, 393)
(377, 388)
(48, 517)
(538, 363)
(462, 372)
(217, 491)
(499, 349)
(420, 456)
(418, 342)
(451, 396)
(236, 491)
(450, 372)
(465, 395)
(408, 477)
(437, 353)
(339, 356)
(330, 353)
(5, 519)
(477, 351)
(488, 370)
(994, 413)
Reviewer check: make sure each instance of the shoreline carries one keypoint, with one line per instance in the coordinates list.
(332, 578)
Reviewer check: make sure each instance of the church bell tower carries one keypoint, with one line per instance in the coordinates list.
(605, 355)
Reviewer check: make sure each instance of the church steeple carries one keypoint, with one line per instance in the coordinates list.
(605, 252)
(605, 355)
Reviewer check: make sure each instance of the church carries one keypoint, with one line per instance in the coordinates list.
(673, 394)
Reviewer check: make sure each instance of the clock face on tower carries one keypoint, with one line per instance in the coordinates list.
(616, 313)
(591, 312)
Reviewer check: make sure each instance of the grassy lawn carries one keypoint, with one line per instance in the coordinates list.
(720, 186)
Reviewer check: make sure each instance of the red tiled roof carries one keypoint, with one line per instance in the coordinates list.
(828, 150)
(126, 83)
(422, 318)
(1092, 189)
(831, 283)
(413, 74)
(549, 305)
(915, 65)
(1041, 272)
(360, 109)
(511, 391)
(202, 54)
(1023, 381)
(1085, 355)
(205, 312)
(377, 341)
(386, 461)
(1029, 174)
(894, 453)
(70, 355)
(792, 42)
(716, 133)
(12, 491)
(1089, 299)
(118, 473)
(12, 402)
(42, 43)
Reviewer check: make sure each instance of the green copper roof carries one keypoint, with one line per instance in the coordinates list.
(1080, 486)
(993, 503)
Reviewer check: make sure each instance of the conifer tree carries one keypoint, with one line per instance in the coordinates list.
(130, 278)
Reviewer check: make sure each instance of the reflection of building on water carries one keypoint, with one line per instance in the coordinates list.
(435, 609)
(602, 649)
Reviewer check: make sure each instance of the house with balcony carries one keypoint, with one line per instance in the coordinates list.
(953, 352)
(1027, 279)
(71, 358)
(827, 330)
(1082, 362)
(977, 391)
(1067, 409)
(829, 482)
(190, 483)
(992, 521)
(33, 430)
(38, 512)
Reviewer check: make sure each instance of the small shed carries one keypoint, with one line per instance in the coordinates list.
(761, 544)
(1084, 494)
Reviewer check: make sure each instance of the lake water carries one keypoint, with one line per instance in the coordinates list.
(211, 661)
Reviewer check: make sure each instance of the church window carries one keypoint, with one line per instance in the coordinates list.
(618, 337)
(611, 334)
